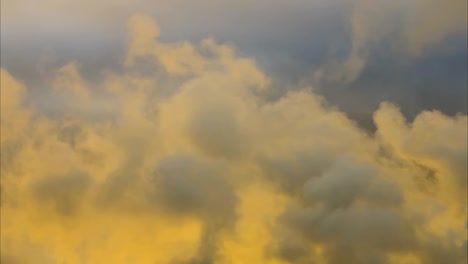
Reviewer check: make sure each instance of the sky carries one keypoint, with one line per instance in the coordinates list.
(232, 132)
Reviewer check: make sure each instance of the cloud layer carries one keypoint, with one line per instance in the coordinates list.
(174, 156)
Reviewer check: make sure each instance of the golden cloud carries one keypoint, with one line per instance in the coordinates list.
(176, 158)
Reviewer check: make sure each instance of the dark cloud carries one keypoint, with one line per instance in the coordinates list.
(291, 172)
(188, 185)
(354, 235)
(216, 132)
(64, 193)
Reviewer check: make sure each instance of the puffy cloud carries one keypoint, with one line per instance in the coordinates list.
(174, 156)
(14, 114)
(432, 140)
(401, 51)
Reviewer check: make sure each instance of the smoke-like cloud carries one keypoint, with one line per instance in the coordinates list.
(174, 156)
(404, 28)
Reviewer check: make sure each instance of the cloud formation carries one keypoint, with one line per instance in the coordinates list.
(356, 53)
(404, 28)
(174, 156)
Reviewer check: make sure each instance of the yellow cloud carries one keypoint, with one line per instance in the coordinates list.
(176, 158)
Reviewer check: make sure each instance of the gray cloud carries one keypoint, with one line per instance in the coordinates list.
(64, 193)
(331, 215)
(215, 130)
(347, 182)
(191, 186)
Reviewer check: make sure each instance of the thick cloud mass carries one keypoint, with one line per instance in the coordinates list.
(356, 53)
(174, 156)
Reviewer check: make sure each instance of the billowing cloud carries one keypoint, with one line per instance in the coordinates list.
(174, 156)
(356, 53)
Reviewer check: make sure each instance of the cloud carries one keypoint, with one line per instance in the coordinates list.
(430, 22)
(397, 51)
(174, 156)
(190, 186)
(348, 210)
(406, 29)
(64, 193)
